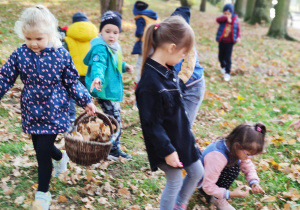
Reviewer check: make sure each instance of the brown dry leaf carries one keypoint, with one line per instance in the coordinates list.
(287, 206)
(292, 194)
(275, 165)
(267, 198)
(108, 187)
(89, 175)
(62, 199)
(125, 192)
(292, 141)
(103, 201)
(263, 165)
(135, 207)
(34, 186)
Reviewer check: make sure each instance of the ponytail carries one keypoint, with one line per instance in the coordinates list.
(148, 44)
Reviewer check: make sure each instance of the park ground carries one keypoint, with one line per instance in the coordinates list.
(265, 87)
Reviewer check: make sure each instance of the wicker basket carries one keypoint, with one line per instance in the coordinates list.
(87, 152)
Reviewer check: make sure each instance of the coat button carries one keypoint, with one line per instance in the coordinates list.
(181, 95)
(174, 79)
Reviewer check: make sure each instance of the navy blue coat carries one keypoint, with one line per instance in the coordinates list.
(49, 78)
(140, 27)
(164, 121)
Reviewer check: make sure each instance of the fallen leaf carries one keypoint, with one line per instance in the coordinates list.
(125, 192)
(62, 199)
(266, 199)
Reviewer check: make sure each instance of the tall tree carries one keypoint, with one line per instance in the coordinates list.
(240, 7)
(203, 6)
(115, 5)
(278, 28)
(185, 3)
(249, 9)
(261, 12)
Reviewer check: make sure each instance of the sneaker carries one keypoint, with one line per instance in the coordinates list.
(221, 204)
(181, 207)
(42, 201)
(226, 77)
(222, 70)
(118, 152)
(61, 165)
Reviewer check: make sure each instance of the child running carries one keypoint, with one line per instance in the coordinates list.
(167, 132)
(104, 74)
(224, 159)
(227, 35)
(49, 77)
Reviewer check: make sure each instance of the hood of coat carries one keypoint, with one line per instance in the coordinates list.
(82, 31)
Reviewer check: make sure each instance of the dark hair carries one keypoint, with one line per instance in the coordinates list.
(245, 135)
(173, 29)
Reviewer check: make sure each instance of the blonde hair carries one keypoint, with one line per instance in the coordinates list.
(41, 19)
(173, 29)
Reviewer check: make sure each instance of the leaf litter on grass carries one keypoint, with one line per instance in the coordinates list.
(264, 70)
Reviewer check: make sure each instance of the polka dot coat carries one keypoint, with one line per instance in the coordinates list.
(49, 79)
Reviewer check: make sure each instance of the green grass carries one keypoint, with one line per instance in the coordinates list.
(264, 87)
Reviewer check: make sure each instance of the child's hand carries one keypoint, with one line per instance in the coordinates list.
(296, 124)
(229, 15)
(238, 40)
(96, 84)
(240, 192)
(90, 109)
(173, 160)
(256, 188)
(129, 68)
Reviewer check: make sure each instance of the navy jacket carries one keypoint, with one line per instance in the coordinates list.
(164, 121)
(140, 26)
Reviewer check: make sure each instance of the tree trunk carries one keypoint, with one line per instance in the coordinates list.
(278, 28)
(114, 5)
(203, 6)
(240, 7)
(184, 3)
(249, 10)
(214, 2)
(261, 12)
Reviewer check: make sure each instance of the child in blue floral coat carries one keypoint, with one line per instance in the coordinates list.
(49, 76)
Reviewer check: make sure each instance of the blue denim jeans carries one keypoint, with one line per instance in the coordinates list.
(72, 109)
(177, 189)
(113, 109)
(193, 96)
(138, 68)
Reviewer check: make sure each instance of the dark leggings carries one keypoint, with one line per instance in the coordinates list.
(225, 51)
(45, 151)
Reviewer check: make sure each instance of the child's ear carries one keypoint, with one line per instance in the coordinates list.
(171, 48)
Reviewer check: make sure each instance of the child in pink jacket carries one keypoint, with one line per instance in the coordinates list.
(223, 160)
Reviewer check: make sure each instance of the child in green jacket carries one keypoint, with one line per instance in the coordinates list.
(105, 68)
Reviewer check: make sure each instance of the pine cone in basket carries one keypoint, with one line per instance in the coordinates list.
(94, 130)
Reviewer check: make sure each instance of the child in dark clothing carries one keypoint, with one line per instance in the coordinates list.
(143, 17)
(167, 132)
(227, 35)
